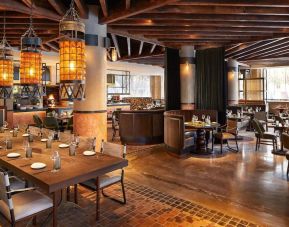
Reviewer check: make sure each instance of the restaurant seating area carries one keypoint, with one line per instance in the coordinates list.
(144, 113)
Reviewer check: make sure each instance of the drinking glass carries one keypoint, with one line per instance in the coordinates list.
(72, 149)
(203, 117)
(5, 124)
(49, 142)
(28, 152)
(56, 161)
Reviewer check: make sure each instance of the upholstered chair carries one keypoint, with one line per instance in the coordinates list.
(18, 204)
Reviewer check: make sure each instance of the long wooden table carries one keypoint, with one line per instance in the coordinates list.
(74, 169)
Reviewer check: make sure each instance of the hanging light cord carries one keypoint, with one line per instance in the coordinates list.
(4, 45)
(30, 32)
(71, 13)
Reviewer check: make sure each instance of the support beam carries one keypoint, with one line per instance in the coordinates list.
(128, 46)
(55, 48)
(104, 7)
(115, 42)
(153, 48)
(12, 5)
(28, 3)
(127, 4)
(141, 7)
(82, 8)
(58, 6)
(140, 48)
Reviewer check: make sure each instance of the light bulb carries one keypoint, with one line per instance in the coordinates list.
(5, 76)
(31, 71)
(72, 65)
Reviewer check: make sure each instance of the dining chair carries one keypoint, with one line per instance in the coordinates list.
(51, 123)
(263, 137)
(18, 204)
(115, 124)
(285, 142)
(69, 125)
(228, 132)
(262, 118)
(37, 120)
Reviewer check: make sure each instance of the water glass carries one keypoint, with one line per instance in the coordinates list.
(30, 138)
(203, 117)
(8, 144)
(2, 129)
(15, 132)
(49, 142)
(28, 152)
(72, 149)
(277, 123)
(56, 161)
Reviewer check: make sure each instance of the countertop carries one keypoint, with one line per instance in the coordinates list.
(33, 110)
(118, 104)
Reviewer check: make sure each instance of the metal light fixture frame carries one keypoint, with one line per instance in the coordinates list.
(31, 43)
(72, 30)
(6, 55)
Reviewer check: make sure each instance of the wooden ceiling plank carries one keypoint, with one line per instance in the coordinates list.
(103, 7)
(127, 4)
(115, 42)
(28, 3)
(128, 46)
(141, 7)
(140, 48)
(58, 6)
(13, 5)
(82, 8)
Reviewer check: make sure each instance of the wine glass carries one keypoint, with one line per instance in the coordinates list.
(203, 117)
(5, 124)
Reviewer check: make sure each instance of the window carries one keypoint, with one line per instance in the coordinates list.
(118, 82)
(278, 83)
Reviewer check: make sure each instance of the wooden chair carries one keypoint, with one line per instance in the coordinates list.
(263, 137)
(51, 123)
(285, 142)
(37, 120)
(226, 133)
(262, 118)
(115, 125)
(19, 204)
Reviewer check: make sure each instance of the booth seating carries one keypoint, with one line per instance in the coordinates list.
(177, 140)
(141, 127)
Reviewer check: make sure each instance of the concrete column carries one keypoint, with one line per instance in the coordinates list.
(90, 115)
(187, 77)
(233, 96)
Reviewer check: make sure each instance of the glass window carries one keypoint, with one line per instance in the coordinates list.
(118, 82)
(277, 83)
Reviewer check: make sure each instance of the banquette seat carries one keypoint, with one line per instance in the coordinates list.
(178, 140)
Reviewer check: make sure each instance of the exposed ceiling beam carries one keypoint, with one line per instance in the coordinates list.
(140, 7)
(82, 8)
(127, 4)
(128, 46)
(52, 46)
(140, 48)
(12, 5)
(153, 48)
(28, 3)
(115, 42)
(104, 7)
(58, 6)
(266, 3)
(142, 56)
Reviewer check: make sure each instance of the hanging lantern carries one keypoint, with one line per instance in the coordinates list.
(113, 54)
(72, 56)
(30, 63)
(6, 67)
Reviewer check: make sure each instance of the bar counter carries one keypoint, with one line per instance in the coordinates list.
(15, 117)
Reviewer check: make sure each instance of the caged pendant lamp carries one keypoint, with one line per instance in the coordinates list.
(72, 56)
(30, 63)
(6, 66)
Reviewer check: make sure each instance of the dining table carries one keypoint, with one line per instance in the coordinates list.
(201, 128)
(280, 128)
(74, 169)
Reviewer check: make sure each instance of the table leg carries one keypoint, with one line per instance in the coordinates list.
(54, 211)
(75, 194)
(201, 141)
(97, 198)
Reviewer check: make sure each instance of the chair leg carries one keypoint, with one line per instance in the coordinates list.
(75, 194)
(68, 193)
(123, 192)
(236, 140)
(97, 198)
(256, 144)
(288, 168)
(116, 200)
(34, 220)
(222, 146)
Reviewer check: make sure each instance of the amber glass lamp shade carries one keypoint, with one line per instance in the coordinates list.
(72, 60)
(6, 73)
(30, 67)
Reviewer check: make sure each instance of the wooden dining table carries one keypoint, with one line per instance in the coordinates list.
(74, 169)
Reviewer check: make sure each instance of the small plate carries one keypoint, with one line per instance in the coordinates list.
(38, 165)
(13, 155)
(25, 135)
(89, 153)
(44, 140)
(11, 131)
(63, 145)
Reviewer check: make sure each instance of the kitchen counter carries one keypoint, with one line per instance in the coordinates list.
(118, 104)
(30, 110)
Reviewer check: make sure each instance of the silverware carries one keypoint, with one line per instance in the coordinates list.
(41, 172)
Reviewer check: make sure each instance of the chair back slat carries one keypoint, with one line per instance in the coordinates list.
(113, 149)
(5, 196)
(258, 126)
(232, 126)
(285, 140)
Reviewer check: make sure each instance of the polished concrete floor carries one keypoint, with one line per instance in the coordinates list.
(248, 184)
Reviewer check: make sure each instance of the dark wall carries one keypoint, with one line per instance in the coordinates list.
(211, 81)
(172, 79)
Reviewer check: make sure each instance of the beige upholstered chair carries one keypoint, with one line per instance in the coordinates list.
(18, 204)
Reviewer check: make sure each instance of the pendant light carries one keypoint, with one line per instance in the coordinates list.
(6, 66)
(72, 56)
(113, 54)
(30, 62)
